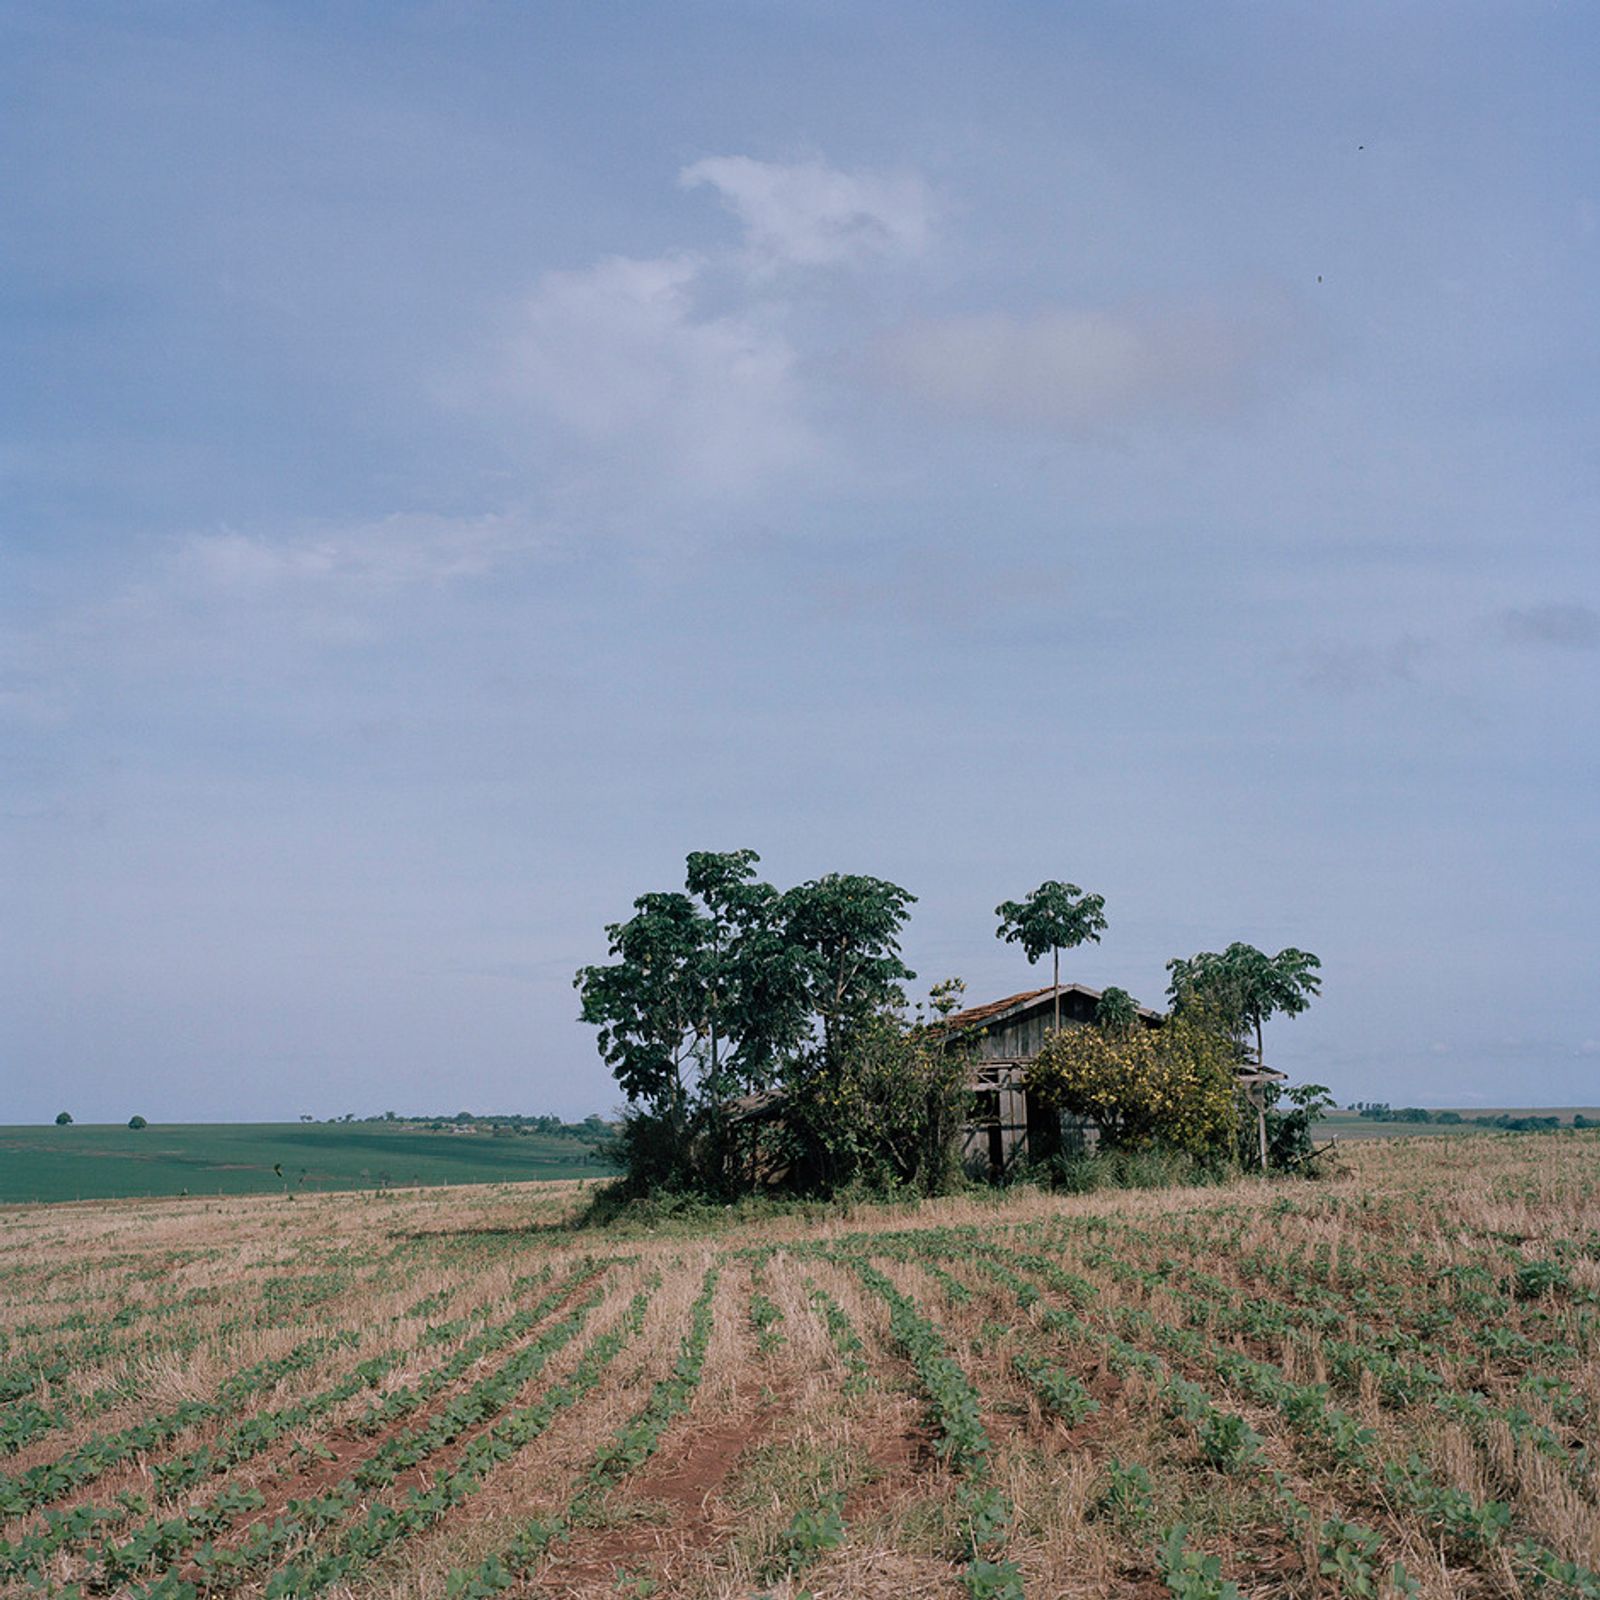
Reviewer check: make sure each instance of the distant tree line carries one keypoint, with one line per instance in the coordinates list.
(592, 1129)
(1382, 1111)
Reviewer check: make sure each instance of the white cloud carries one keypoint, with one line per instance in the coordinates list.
(809, 214)
(1071, 369)
(386, 554)
(620, 354)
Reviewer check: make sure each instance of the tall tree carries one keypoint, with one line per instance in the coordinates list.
(1245, 987)
(1054, 917)
(650, 1002)
(844, 930)
(704, 980)
(756, 1003)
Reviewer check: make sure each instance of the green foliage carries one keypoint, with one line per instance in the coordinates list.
(1116, 1011)
(137, 1122)
(1291, 1115)
(1169, 1088)
(731, 988)
(885, 1115)
(1054, 917)
(1228, 1442)
(813, 1531)
(993, 1580)
(1350, 1553)
(1244, 987)
(1129, 1494)
(1061, 1394)
(63, 1118)
(1191, 1576)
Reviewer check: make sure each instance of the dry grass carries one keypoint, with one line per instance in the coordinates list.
(1477, 1259)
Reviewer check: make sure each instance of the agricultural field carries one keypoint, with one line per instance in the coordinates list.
(1382, 1384)
(1341, 1124)
(96, 1161)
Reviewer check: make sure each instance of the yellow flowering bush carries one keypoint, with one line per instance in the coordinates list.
(1168, 1088)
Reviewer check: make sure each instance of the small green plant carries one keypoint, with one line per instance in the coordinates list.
(1538, 1278)
(1192, 1576)
(1129, 1494)
(813, 1531)
(1060, 1393)
(985, 1516)
(993, 1580)
(1228, 1442)
(1348, 1552)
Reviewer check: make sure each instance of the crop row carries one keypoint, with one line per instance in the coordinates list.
(49, 1480)
(633, 1444)
(250, 1436)
(225, 1568)
(1447, 1512)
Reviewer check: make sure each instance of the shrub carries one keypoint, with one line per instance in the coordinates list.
(885, 1114)
(63, 1118)
(1170, 1088)
(137, 1122)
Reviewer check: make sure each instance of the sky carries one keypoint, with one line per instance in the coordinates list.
(456, 459)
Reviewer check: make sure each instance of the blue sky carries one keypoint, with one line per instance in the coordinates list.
(458, 458)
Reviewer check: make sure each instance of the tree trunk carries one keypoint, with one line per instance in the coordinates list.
(1056, 955)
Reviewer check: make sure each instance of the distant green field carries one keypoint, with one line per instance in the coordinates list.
(1348, 1125)
(101, 1162)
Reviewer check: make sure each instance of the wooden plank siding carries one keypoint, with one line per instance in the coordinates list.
(1003, 1038)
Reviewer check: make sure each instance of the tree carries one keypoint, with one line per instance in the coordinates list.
(650, 1002)
(888, 1117)
(137, 1122)
(705, 991)
(844, 930)
(1244, 987)
(1116, 1011)
(1166, 1088)
(733, 987)
(1054, 917)
(754, 988)
(63, 1118)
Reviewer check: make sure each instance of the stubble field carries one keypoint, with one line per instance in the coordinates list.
(1386, 1384)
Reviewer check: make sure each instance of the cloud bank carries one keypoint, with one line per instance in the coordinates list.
(1071, 369)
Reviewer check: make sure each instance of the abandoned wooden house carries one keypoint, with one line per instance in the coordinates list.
(1004, 1036)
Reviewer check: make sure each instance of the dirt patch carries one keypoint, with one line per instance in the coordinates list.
(681, 1494)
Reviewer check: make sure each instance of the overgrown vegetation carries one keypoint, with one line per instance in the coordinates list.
(1144, 1089)
(762, 1040)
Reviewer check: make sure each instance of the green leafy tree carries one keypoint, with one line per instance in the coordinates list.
(650, 1002)
(1116, 1011)
(889, 1115)
(1244, 987)
(1169, 1088)
(844, 934)
(137, 1122)
(755, 1001)
(1054, 917)
(733, 986)
(63, 1118)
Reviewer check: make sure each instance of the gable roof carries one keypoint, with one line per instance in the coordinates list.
(997, 1010)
